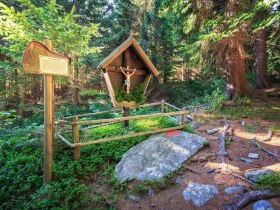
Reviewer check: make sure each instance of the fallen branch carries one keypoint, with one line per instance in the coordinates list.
(268, 137)
(249, 197)
(207, 157)
(193, 171)
(264, 149)
(222, 143)
(240, 177)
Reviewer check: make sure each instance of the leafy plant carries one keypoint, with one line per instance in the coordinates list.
(269, 181)
(137, 95)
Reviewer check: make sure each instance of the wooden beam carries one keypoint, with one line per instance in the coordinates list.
(76, 138)
(48, 122)
(98, 141)
(129, 118)
(116, 69)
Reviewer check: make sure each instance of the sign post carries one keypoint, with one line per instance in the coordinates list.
(39, 59)
(48, 121)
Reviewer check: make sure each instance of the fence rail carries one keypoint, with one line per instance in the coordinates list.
(102, 122)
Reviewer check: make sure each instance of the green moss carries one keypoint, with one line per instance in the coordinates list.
(269, 181)
(137, 95)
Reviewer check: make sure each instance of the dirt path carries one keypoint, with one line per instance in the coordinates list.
(172, 198)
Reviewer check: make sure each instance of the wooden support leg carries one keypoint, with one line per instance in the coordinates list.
(162, 106)
(76, 138)
(48, 143)
(125, 113)
(62, 125)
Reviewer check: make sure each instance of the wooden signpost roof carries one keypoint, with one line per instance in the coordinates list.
(38, 59)
(139, 51)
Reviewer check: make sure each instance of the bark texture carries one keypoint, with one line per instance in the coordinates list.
(261, 59)
(237, 83)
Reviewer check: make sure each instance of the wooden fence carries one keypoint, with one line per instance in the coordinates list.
(63, 121)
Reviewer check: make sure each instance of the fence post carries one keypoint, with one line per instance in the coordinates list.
(162, 106)
(62, 125)
(75, 130)
(125, 113)
(183, 118)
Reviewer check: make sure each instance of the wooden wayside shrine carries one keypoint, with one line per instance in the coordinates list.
(125, 68)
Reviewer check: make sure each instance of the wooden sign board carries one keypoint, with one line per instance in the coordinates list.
(37, 59)
(54, 66)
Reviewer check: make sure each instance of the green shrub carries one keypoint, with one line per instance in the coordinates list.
(137, 95)
(269, 181)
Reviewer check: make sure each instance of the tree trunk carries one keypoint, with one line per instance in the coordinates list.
(237, 83)
(261, 58)
(75, 89)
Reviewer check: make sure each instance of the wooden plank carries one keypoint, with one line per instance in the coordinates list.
(48, 122)
(162, 106)
(146, 82)
(110, 88)
(92, 114)
(116, 69)
(76, 138)
(64, 140)
(129, 118)
(145, 58)
(149, 105)
(116, 52)
(127, 58)
(127, 136)
(173, 106)
(125, 113)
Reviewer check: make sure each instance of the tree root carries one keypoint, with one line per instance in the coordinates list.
(244, 200)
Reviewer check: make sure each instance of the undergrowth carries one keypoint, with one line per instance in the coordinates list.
(21, 166)
(269, 181)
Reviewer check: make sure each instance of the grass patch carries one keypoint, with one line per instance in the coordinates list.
(269, 181)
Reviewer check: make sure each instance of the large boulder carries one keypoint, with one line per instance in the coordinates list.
(157, 156)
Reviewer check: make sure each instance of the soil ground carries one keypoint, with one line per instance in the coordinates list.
(171, 197)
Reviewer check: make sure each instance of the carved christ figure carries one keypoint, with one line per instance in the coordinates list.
(128, 75)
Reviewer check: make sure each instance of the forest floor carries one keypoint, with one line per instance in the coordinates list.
(170, 194)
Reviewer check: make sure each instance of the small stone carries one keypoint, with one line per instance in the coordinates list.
(212, 131)
(247, 160)
(134, 198)
(243, 123)
(233, 189)
(210, 171)
(262, 205)
(199, 193)
(253, 155)
(151, 193)
(255, 175)
(153, 205)
(179, 180)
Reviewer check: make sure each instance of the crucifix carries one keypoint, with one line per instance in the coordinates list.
(128, 73)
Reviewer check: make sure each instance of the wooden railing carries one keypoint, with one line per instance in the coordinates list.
(63, 121)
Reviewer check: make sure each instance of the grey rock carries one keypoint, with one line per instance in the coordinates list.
(189, 117)
(255, 175)
(233, 189)
(253, 155)
(179, 180)
(153, 205)
(243, 123)
(262, 205)
(151, 193)
(209, 171)
(212, 131)
(199, 193)
(247, 160)
(134, 198)
(157, 156)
